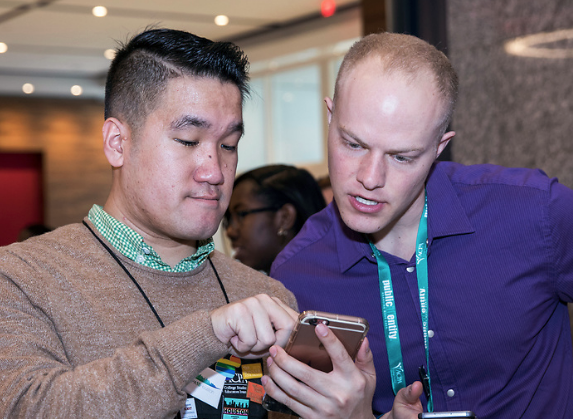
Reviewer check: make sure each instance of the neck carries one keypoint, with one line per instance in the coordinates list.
(398, 242)
(399, 237)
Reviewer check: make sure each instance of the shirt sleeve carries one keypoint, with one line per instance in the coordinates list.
(560, 232)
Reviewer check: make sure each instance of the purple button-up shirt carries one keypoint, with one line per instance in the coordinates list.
(500, 263)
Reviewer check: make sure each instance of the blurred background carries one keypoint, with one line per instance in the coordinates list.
(514, 59)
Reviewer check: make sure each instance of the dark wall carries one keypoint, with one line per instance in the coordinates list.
(514, 111)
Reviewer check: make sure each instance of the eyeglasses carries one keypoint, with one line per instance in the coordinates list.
(237, 217)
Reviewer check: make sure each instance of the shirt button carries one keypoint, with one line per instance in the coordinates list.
(451, 393)
(140, 259)
(146, 250)
(410, 269)
(430, 333)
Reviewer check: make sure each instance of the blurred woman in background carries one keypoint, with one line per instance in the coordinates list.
(268, 208)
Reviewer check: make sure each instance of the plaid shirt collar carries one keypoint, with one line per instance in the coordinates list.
(131, 244)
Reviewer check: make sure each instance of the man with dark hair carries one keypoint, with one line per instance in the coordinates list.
(116, 316)
(463, 272)
(142, 69)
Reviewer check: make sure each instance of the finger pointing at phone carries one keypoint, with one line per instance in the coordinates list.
(252, 325)
(345, 392)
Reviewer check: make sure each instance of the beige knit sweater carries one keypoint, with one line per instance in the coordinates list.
(77, 338)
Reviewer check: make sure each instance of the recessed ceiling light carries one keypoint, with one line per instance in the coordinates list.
(76, 90)
(3, 47)
(28, 88)
(109, 54)
(221, 20)
(532, 45)
(99, 11)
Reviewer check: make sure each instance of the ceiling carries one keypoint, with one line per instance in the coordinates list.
(55, 44)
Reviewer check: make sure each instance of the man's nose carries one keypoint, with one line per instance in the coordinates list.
(209, 168)
(372, 172)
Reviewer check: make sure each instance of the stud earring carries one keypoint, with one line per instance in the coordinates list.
(281, 232)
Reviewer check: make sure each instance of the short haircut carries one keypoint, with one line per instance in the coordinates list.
(141, 69)
(280, 184)
(410, 56)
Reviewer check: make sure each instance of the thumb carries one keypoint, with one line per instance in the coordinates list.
(411, 394)
(364, 360)
(407, 402)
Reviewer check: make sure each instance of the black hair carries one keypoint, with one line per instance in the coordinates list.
(324, 182)
(279, 184)
(141, 69)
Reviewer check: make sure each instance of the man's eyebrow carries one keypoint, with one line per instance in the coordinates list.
(353, 136)
(392, 151)
(238, 127)
(405, 151)
(187, 121)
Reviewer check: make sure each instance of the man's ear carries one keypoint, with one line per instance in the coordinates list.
(329, 107)
(285, 217)
(114, 135)
(444, 142)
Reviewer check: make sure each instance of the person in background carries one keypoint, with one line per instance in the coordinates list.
(121, 315)
(326, 187)
(268, 208)
(463, 272)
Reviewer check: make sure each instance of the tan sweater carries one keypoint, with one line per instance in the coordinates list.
(77, 338)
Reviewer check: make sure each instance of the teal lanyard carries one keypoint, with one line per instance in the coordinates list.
(391, 333)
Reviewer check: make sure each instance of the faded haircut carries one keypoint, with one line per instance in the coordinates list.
(141, 69)
(410, 56)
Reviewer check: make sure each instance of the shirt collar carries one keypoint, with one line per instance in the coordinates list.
(351, 245)
(446, 217)
(131, 244)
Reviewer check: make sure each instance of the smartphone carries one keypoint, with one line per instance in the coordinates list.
(447, 415)
(304, 345)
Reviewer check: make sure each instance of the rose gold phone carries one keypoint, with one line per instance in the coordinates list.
(304, 345)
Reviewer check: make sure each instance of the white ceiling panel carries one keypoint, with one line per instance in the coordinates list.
(58, 39)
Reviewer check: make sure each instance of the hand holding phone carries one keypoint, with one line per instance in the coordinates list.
(305, 346)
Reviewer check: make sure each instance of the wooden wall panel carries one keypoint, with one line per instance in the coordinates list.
(68, 133)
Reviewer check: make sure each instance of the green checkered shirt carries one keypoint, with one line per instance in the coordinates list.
(131, 244)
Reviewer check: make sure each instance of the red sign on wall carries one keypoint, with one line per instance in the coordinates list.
(21, 193)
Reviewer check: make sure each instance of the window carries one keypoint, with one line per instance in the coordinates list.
(252, 147)
(285, 116)
(297, 136)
